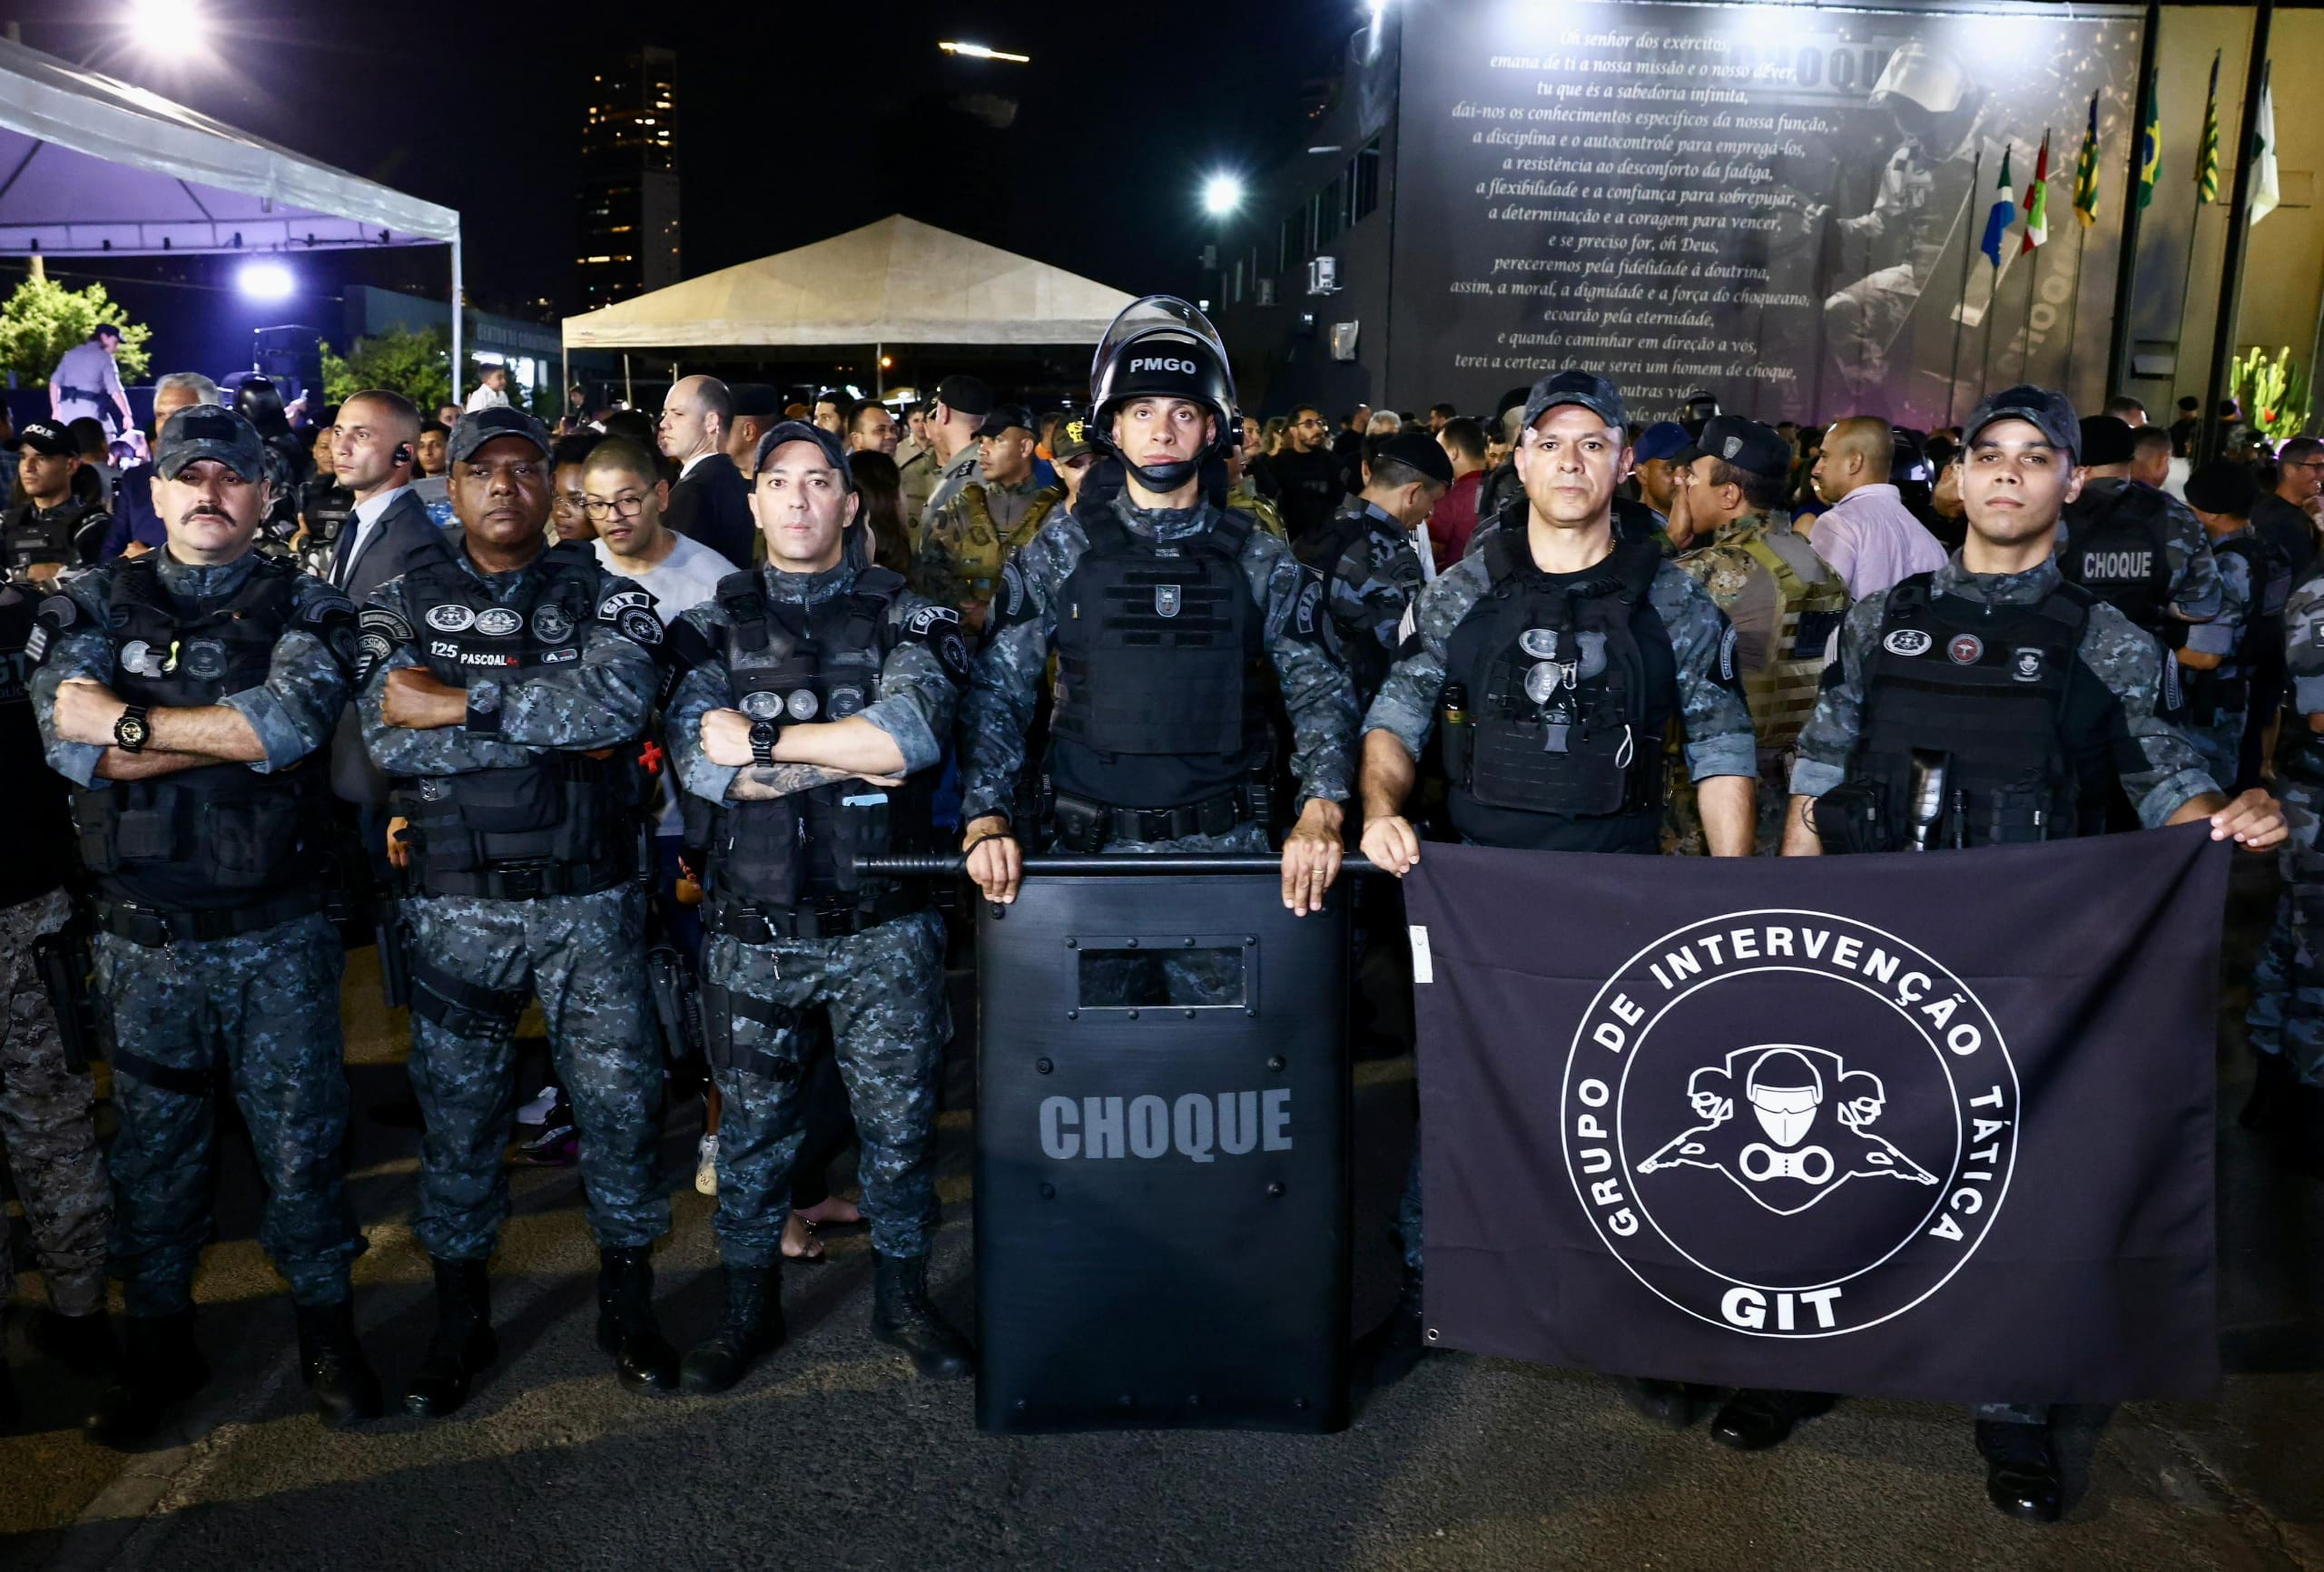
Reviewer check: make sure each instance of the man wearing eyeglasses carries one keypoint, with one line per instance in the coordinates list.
(2286, 517)
(1307, 474)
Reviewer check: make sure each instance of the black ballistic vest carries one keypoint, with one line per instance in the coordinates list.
(2000, 695)
(791, 664)
(1158, 694)
(33, 537)
(221, 836)
(2226, 689)
(1571, 682)
(573, 814)
(2116, 548)
(33, 797)
(1366, 662)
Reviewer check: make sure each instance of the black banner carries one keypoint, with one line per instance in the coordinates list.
(1934, 1125)
(1782, 204)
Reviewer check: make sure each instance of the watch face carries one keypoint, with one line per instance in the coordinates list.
(763, 735)
(130, 731)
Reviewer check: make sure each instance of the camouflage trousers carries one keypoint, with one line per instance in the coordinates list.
(265, 1004)
(583, 958)
(2287, 1013)
(46, 1124)
(883, 990)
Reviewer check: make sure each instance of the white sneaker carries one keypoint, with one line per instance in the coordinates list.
(706, 1167)
(537, 1111)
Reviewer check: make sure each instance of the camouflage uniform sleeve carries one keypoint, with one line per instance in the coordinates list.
(1828, 740)
(701, 688)
(2303, 647)
(603, 698)
(1710, 691)
(72, 641)
(1405, 706)
(386, 643)
(2129, 662)
(2223, 633)
(2194, 569)
(920, 683)
(1005, 683)
(934, 573)
(1316, 689)
(295, 711)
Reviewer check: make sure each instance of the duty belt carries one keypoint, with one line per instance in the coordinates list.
(756, 925)
(527, 879)
(154, 928)
(1085, 826)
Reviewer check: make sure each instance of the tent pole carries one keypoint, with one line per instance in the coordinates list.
(628, 394)
(458, 394)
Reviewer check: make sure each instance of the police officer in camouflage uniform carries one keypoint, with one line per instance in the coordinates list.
(971, 534)
(1989, 702)
(505, 684)
(46, 1123)
(1555, 661)
(1370, 568)
(1159, 605)
(50, 527)
(2232, 686)
(1781, 599)
(2285, 1023)
(191, 694)
(2137, 547)
(805, 728)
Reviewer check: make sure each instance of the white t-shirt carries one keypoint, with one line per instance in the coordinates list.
(686, 578)
(487, 398)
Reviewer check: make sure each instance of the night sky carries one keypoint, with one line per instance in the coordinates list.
(795, 122)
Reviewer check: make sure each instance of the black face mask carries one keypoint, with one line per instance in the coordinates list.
(1164, 478)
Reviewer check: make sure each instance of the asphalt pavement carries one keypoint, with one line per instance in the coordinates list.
(832, 1454)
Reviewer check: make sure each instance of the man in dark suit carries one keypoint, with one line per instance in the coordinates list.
(711, 503)
(372, 448)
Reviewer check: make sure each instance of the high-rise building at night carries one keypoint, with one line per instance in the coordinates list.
(629, 230)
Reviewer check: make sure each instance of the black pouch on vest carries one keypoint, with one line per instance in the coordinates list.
(250, 841)
(147, 835)
(1081, 827)
(1852, 818)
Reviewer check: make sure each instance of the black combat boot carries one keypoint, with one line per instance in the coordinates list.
(901, 1316)
(82, 1344)
(753, 1326)
(2272, 1108)
(2020, 1469)
(159, 1366)
(1752, 1419)
(643, 1357)
(1387, 1353)
(463, 1344)
(331, 1363)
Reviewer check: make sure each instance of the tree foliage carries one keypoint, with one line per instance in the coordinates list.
(414, 363)
(44, 319)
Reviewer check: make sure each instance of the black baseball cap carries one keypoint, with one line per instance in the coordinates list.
(2223, 487)
(41, 436)
(1665, 440)
(2107, 439)
(1071, 437)
(801, 431)
(1746, 445)
(1413, 447)
(2048, 410)
(1001, 417)
(210, 431)
(968, 395)
(755, 400)
(1591, 391)
(480, 426)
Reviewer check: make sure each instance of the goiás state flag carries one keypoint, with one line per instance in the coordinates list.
(1929, 1124)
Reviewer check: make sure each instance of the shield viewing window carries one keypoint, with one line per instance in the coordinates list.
(1178, 972)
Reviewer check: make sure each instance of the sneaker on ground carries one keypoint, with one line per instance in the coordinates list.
(539, 1110)
(558, 1146)
(705, 1165)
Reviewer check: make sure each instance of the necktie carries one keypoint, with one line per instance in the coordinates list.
(346, 551)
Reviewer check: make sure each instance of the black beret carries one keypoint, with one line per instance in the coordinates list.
(2223, 487)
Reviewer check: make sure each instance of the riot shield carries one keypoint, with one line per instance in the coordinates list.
(1162, 1152)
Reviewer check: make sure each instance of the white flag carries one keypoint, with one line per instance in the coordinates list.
(2265, 191)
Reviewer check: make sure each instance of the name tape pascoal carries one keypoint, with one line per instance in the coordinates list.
(1197, 1125)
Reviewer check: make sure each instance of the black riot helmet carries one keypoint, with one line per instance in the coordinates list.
(260, 402)
(1162, 346)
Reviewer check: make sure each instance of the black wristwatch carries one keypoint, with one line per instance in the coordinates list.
(763, 736)
(133, 730)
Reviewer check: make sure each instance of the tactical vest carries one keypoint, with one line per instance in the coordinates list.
(790, 663)
(1366, 662)
(1782, 693)
(1998, 698)
(1571, 681)
(34, 536)
(2225, 691)
(221, 836)
(1158, 696)
(985, 549)
(33, 797)
(564, 822)
(2117, 548)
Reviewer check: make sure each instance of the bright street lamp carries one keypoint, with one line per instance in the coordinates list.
(169, 30)
(266, 281)
(1221, 195)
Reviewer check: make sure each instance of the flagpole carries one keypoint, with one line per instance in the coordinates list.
(2117, 345)
(1961, 305)
(2238, 230)
(1986, 362)
(2195, 221)
(2073, 301)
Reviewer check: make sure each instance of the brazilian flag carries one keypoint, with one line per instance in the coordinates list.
(2151, 145)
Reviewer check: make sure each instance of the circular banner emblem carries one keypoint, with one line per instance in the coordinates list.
(1790, 1123)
